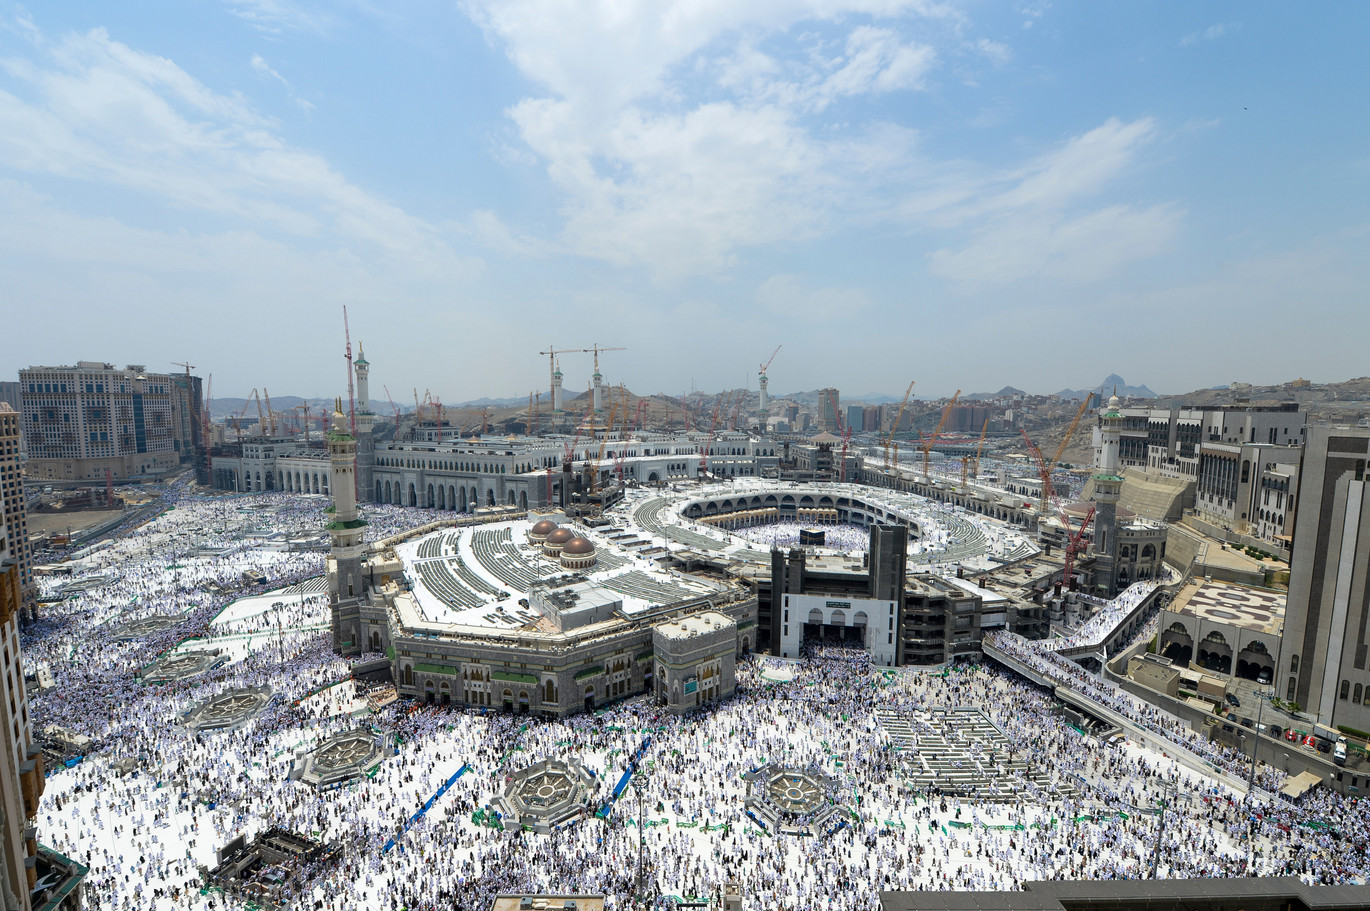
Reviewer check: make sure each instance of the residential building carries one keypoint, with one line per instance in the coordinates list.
(94, 421)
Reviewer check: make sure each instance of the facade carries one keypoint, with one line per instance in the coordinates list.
(1258, 893)
(829, 403)
(900, 619)
(13, 513)
(1229, 484)
(187, 404)
(1273, 512)
(21, 760)
(93, 421)
(1327, 627)
(696, 660)
(1169, 434)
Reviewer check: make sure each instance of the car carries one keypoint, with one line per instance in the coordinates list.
(1322, 744)
(1233, 701)
(1264, 678)
(1248, 723)
(1339, 751)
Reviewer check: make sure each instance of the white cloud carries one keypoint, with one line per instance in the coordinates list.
(274, 17)
(96, 110)
(662, 169)
(259, 64)
(790, 297)
(1206, 34)
(1076, 249)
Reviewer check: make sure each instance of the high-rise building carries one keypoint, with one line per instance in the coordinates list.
(94, 420)
(829, 401)
(187, 404)
(21, 760)
(853, 418)
(1327, 620)
(13, 512)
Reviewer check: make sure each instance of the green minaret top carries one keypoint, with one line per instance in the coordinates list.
(361, 360)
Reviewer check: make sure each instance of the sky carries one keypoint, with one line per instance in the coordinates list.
(969, 195)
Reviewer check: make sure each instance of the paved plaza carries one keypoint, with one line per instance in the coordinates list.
(420, 832)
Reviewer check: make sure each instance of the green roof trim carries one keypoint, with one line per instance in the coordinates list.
(436, 669)
(340, 526)
(511, 677)
(644, 655)
(746, 624)
(593, 671)
(390, 652)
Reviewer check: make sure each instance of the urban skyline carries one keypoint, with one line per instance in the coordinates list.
(181, 183)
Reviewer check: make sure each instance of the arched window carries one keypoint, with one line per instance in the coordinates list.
(1345, 690)
(1293, 664)
(1355, 694)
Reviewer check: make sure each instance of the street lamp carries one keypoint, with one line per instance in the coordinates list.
(1251, 788)
(1170, 787)
(636, 784)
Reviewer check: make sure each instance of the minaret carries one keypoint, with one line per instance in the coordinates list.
(366, 420)
(597, 393)
(1108, 488)
(346, 585)
(556, 390)
(763, 405)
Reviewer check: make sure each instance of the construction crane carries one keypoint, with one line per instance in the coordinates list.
(980, 447)
(261, 418)
(351, 395)
(1074, 423)
(271, 415)
(709, 440)
(766, 366)
(238, 418)
(603, 441)
(1043, 472)
(305, 409)
(1074, 544)
(597, 349)
(393, 407)
(894, 428)
(932, 440)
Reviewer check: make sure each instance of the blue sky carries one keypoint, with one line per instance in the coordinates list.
(966, 194)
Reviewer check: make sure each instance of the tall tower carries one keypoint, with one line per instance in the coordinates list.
(346, 587)
(1108, 489)
(763, 404)
(598, 390)
(556, 390)
(366, 420)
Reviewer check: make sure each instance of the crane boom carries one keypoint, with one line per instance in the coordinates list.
(889, 440)
(932, 440)
(1065, 441)
(980, 447)
(766, 366)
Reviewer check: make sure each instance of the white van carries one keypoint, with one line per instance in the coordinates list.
(1339, 751)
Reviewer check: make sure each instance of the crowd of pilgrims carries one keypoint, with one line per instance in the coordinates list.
(146, 833)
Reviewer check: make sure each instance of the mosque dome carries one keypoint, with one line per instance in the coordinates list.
(542, 529)
(560, 535)
(578, 547)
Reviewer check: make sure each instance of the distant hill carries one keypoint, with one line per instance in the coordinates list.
(1107, 388)
(1006, 392)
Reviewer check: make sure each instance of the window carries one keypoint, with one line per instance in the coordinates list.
(1289, 693)
(1355, 694)
(1345, 690)
(1293, 664)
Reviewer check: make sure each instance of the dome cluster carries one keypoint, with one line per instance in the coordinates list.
(573, 551)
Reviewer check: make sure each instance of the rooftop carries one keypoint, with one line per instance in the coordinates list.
(1259, 609)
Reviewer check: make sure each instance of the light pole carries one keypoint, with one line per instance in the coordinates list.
(636, 783)
(1251, 790)
(1170, 788)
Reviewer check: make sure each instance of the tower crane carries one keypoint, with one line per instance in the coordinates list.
(393, 407)
(894, 428)
(980, 447)
(709, 439)
(932, 440)
(305, 409)
(261, 420)
(271, 415)
(766, 366)
(845, 431)
(1074, 423)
